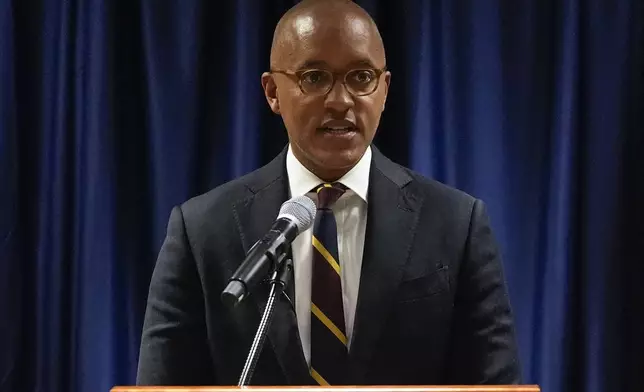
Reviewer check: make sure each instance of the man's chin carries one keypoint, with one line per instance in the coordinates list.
(329, 163)
(339, 160)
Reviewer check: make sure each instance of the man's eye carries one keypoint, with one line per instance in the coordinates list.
(314, 77)
(363, 76)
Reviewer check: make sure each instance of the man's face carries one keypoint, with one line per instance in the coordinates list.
(329, 132)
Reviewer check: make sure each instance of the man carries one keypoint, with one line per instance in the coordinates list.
(407, 288)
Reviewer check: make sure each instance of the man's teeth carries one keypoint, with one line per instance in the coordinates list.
(338, 128)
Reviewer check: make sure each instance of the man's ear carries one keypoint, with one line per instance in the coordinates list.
(387, 82)
(270, 92)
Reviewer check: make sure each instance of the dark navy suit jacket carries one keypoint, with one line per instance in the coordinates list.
(432, 306)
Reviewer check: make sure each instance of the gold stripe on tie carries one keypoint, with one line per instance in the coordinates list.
(328, 323)
(316, 376)
(323, 186)
(327, 256)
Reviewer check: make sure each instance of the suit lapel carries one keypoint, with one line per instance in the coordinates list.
(255, 215)
(392, 215)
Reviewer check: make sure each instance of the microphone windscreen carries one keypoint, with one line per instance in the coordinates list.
(301, 210)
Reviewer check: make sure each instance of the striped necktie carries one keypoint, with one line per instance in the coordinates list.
(328, 331)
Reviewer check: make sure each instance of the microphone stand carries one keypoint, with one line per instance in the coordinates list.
(278, 281)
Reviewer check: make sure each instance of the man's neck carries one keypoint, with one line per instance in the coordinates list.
(328, 175)
(302, 179)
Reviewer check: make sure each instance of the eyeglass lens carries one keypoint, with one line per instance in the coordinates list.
(358, 81)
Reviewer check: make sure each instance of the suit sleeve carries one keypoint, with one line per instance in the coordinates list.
(174, 344)
(484, 348)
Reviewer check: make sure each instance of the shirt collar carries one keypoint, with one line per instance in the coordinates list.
(302, 181)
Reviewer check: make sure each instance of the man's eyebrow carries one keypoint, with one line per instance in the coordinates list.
(363, 62)
(312, 64)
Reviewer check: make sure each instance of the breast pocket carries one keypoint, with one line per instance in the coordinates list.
(422, 309)
(424, 286)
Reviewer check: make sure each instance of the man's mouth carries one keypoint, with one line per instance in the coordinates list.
(337, 130)
(338, 134)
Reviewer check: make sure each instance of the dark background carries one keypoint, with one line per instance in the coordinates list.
(112, 112)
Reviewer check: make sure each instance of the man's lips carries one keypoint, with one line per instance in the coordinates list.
(338, 129)
(337, 134)
(338, 125)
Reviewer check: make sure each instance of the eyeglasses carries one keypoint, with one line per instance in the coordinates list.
(316, 82)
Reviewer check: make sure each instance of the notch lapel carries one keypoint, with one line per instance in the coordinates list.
(255, 216)
(392, 216)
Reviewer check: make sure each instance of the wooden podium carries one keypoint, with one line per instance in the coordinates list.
(393, 388)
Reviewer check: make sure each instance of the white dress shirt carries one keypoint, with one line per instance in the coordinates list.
(351, 217)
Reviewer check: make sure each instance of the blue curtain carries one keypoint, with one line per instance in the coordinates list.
(112, 112)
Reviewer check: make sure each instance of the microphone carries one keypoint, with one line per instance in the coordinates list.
(295, 216)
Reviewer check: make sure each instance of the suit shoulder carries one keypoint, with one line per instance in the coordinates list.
(220, 198)
(437, 191)
(441, 200)
(443, 190)
(231, 192)
(418, 185)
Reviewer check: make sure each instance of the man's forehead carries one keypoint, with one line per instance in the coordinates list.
(304, 25)
(314, 43)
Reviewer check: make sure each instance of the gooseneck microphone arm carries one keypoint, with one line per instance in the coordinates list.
(279, 280)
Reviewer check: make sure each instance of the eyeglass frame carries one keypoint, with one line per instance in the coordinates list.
(298, 74)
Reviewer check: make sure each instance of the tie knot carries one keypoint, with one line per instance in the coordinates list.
(328, 194)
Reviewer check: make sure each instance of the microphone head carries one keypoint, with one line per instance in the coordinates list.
(300, 210)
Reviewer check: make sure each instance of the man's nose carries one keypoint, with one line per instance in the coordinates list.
(339, 97)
